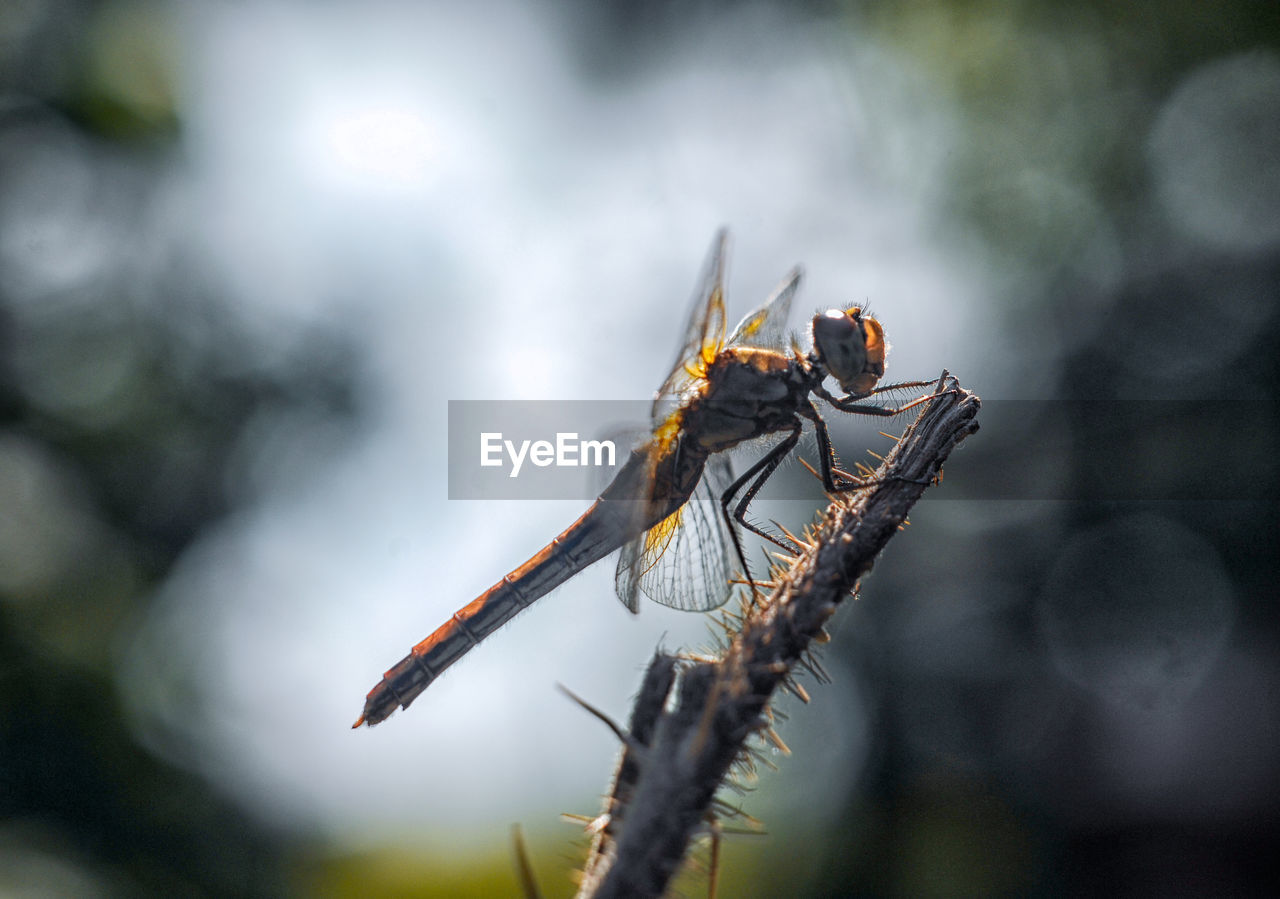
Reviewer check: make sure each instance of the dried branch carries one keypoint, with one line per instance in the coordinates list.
(676, 759)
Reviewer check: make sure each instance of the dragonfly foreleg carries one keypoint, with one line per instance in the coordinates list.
(854, 404)
(904, 385)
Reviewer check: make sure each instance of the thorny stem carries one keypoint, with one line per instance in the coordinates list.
(677, 758)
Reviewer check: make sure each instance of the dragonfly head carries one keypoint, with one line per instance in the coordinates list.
(851, 347)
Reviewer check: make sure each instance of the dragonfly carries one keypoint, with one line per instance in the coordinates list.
(660, 509)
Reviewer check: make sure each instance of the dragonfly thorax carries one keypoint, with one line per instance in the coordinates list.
(851, 348)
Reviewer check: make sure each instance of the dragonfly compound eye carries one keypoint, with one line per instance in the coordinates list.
(852, 348)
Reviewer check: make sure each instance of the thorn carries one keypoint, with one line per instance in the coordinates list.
(792, 537)
(766, 761)
(609, 722)
(524, 867)
(715, 861)
(776, 740)
(721, 807)
(814, 667)
(598, 824)
(359, 721)
(700, 658)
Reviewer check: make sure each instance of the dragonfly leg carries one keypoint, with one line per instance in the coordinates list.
(904, 385)
(851, 403)
(757, 474)
(827, 455)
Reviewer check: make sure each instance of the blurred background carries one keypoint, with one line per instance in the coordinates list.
(248, 253)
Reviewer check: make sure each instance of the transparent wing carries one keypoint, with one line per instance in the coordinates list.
(766, 326)
(704, 331)
(683, 561)
(630, 565)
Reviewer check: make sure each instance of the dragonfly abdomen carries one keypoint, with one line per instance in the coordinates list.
(602, 529)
